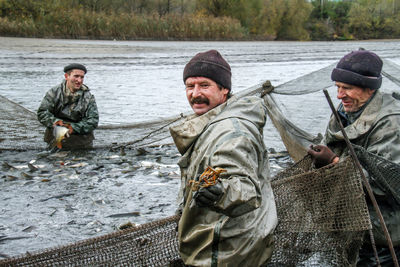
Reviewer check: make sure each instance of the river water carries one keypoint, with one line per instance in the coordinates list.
(73, 196)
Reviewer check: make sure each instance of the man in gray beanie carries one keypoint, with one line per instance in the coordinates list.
(372, 121)
(228, 221)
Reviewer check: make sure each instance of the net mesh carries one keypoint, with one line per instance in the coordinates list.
(383, 172)
(21, 130)
(151, 244)
(322, 216)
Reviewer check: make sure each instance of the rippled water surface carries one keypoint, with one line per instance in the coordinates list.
(74, 196)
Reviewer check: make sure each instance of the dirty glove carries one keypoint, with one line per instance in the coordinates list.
(208, 196)
(321, 155)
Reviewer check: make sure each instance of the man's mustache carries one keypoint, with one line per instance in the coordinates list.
(199, 100)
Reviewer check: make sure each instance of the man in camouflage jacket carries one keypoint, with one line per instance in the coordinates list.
(70, 104)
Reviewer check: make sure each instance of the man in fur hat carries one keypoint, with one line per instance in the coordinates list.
(371, 120)
(229, 223)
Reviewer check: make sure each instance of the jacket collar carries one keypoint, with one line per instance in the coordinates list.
(68, 96)
(362, 124)
(350, 117)
(67, 92)
(185, 134)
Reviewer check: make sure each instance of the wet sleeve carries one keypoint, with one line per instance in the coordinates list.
(240, 156)
(384, 139)
(90, 121)
(46, 110)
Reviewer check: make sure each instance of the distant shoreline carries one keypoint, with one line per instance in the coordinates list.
(256, 20)
(192, 40)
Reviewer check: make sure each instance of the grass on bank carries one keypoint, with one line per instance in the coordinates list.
(123, 26)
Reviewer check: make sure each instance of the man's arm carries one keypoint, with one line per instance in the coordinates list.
(241, 157)
(45, 111)
(90, 121)
(384, 139)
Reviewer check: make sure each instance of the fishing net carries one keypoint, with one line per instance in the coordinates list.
(21, 130)
(322, 216)
(295, 139)
(384, 173)
(391, 71)
(19, 127)
(151, 244)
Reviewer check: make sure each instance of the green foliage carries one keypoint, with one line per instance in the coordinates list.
(360, 19)
(268, 22)
(17, 28)
(244, 11)
(216, 7)
(81, 23)
(294, 19)
(329, 20)
(339, 17)
(202, 19)
(373, 19)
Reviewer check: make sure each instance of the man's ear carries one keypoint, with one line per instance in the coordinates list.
(66, 75)
(371, 91)
(226, 92)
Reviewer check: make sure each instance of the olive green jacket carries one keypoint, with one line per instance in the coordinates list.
(378, 131)
(237, 230)
(80, 109)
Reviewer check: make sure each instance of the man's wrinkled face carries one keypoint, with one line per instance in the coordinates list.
(74, 79)
(353, 97)
(204, 94)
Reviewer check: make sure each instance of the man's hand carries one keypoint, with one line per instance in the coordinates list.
(67, 125)
(208, 196)
(70, 130)
(322, 155)
(58, 123)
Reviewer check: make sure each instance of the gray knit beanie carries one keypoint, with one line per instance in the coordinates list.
(360, 68)
(211, 65)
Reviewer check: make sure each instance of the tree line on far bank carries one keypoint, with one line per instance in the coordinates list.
(201, 19)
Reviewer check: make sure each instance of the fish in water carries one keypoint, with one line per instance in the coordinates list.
(60, 132)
